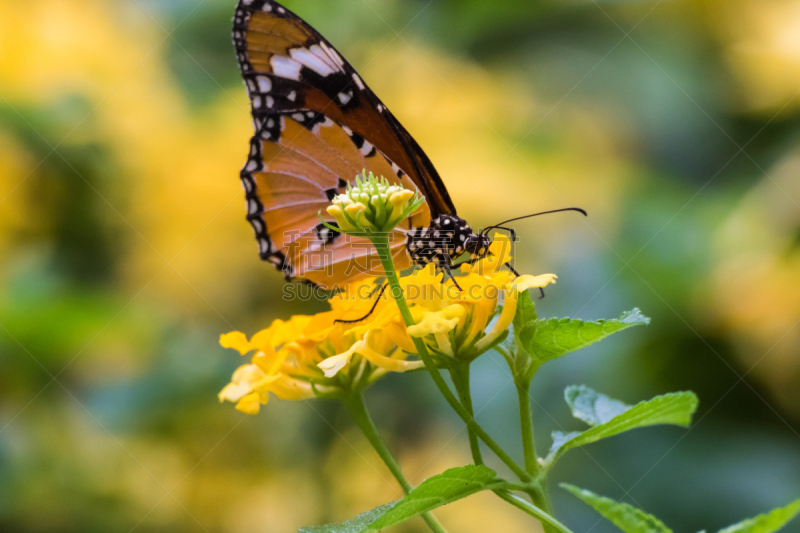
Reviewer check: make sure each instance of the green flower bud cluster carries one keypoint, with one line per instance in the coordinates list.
(373, 205)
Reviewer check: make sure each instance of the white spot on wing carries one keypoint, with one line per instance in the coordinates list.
(345, 97)
(264, 84)
(332, 53)
(285, 67)
(366, 148)
(321, 53)
(358, 81)
(311, 61)
(292, 96)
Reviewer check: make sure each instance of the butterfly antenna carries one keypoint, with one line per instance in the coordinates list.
(501, 224)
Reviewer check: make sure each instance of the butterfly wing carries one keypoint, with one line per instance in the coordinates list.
(306, 72)
(298, 163)
(295, 78)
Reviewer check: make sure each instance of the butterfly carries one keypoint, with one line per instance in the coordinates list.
(318, 125)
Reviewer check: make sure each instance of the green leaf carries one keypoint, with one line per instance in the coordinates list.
(354, 525)
(591, 406)
(525, 320)
(626, 517)
(554, 338)
(447, 487)
(675, 408)
(766, 523)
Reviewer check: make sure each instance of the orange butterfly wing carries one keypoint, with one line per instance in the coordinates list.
(317, 125)
(292, 179)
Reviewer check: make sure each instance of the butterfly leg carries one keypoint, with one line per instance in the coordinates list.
(374, 306)
(445, 263)
(513, 271)
(472, 260)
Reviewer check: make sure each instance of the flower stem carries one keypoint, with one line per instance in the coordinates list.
(539, 493)
(358, 410)
(547, 520)
(526, 426)
(460, 376)
(381, 243)
(537, 489)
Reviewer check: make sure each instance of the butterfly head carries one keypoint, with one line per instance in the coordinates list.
(477, 244)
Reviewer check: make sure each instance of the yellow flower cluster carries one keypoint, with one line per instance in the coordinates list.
(310, 356)
(463, 324)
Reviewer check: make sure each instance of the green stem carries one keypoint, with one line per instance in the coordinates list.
(539, 493)
(537, 490)
(526, 426)
(550, 523)
(359, 412)
(460, 376)
(381, 243)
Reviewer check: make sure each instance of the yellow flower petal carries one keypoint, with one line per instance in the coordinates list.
(399, 336)
(388, 363)
(354, 209)
(503, 322)
(527, 281)
(481, 312)
(250, 404)
(439, 322)
(400, 199)
(288, 388)
(270, 362)
(233, 392)
(236, 340)
(445, 346)
(332, 365)
(244, 380)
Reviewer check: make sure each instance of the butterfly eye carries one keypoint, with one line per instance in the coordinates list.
(475, 243)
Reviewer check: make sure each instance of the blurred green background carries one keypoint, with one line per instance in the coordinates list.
(125, 253)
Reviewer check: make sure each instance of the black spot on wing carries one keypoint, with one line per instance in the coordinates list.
(268, 127)
(366, 148)
(309, 119)
(272, 94)
(326, 235)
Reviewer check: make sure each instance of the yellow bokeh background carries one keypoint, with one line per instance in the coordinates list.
(125, 253)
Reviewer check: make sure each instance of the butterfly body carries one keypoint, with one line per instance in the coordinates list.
(446, 239)
(317, 125)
